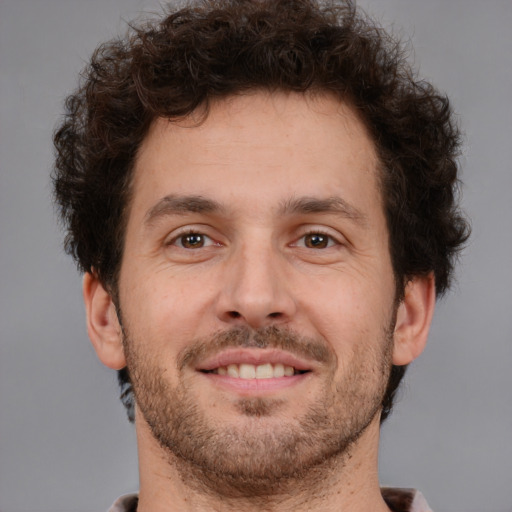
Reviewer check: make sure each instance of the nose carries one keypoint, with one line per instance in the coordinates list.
(255, 290)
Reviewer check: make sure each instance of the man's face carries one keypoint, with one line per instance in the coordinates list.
(256, 289)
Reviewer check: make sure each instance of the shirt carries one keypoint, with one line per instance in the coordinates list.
(398, 500)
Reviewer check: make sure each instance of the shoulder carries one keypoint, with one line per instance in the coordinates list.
(405, 500)
(126, 503)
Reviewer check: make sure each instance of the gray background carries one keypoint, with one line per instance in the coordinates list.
(65, 444)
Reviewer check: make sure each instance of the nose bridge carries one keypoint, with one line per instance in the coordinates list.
(255, 291)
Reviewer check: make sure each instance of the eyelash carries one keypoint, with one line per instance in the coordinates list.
(331, 240)
(189, 232)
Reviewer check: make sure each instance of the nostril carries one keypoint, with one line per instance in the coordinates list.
(234, 314)
(274, 315)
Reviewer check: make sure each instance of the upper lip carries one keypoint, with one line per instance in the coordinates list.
(254, 356)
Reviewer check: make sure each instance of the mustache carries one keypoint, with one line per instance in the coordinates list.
(267, 337)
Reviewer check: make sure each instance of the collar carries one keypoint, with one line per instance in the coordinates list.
(398, 500)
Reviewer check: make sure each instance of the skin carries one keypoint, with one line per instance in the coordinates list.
(293, 238)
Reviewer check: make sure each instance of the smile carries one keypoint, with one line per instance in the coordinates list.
(252, 371)
(261, 371)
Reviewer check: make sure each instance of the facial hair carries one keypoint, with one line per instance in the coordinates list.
(258, 456)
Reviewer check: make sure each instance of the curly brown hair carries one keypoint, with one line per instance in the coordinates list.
(216, 48)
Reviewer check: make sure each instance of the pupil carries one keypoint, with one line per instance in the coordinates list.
(192, 241)
(316, 241)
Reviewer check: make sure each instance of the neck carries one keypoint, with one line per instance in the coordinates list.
(347, 483)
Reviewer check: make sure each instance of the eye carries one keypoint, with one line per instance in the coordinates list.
(192, 240)
(317, 241)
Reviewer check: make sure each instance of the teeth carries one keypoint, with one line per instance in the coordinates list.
(251, 371)
(279, 370)
(247, 371)
(233, 370)
(264, 371)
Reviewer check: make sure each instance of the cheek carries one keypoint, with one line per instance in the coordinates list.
(350, 309)
(164, 312)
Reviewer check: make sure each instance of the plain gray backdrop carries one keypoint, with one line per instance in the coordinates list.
(65, 443)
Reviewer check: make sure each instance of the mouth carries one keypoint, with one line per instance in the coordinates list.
(252, 371)
(249, 371)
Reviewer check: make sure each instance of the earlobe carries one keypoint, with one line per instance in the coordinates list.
(102, 323)
(414, 317)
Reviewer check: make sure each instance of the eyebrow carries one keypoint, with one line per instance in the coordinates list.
(335, 205)
(181, 205)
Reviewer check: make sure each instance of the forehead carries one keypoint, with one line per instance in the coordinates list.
(259, 144)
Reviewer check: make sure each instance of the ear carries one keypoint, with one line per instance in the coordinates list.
(102, 323)
(413, 320)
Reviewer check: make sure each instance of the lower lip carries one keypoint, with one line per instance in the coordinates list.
(255, 386)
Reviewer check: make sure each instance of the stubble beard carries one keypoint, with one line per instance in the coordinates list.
(267, 453)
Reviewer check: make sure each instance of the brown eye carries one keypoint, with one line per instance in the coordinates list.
(192, 241)
(316, 241)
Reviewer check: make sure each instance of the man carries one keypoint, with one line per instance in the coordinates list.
(262, 199)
